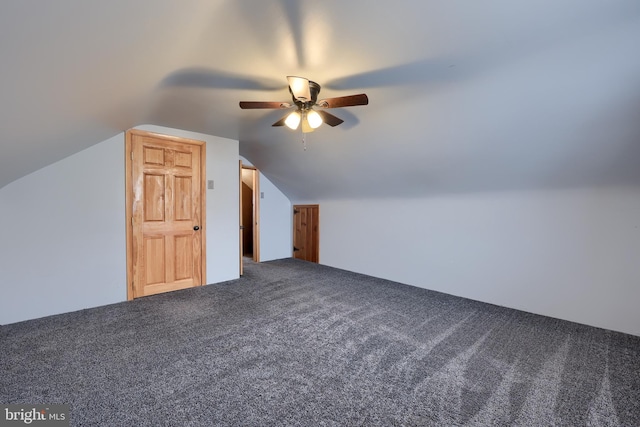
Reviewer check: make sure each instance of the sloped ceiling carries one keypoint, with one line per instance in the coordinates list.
(464, 95)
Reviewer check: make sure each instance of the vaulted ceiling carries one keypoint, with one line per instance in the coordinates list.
(464, 96)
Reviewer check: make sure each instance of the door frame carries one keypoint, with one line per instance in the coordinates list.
(129, 200)
(255, 213)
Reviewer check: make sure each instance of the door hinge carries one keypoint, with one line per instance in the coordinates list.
(295, 211)
(295, 249)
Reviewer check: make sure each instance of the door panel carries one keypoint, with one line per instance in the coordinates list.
(164, 200)
(306, 223)
(154, 257)
(153, 156)
(184, 257)
(183, 195)
(154, 189)
(183, 159)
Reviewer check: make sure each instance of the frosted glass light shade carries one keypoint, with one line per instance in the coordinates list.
(300, 88)
(314, 119)
(293, 120)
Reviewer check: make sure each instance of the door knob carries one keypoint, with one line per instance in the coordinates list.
(196, 227)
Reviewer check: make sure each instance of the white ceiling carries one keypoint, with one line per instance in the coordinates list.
(464, 95)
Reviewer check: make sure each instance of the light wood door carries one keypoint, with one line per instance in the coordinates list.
(306, 236)
(166, 204)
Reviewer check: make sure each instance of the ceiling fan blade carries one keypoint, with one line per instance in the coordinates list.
(329, 119)
(281, 121)
(247, 105)
(299, 88)
(344, 101)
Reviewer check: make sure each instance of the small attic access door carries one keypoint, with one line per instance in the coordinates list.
(306, 236)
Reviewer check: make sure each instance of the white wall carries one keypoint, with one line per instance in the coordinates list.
(62, 229)
(62, 235)
(276, 226)
(569, 254)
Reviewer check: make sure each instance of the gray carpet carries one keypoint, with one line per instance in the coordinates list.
(294, 343)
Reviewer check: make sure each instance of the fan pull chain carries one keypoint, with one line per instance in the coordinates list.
(304, 141)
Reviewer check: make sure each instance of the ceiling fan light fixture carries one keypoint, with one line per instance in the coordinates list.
(304, 93)
(314, 119)
(299, 88)
(293, 120)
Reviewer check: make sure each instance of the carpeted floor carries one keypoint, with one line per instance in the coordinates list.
(295, 343)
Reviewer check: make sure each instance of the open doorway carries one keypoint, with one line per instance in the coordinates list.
(249, 214)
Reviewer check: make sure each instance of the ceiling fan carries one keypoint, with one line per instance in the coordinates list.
(305, 96)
